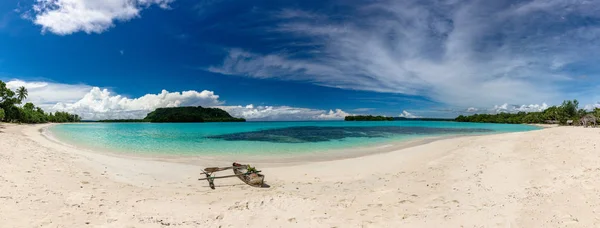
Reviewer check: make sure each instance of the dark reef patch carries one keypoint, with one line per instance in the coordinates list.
(323, 134)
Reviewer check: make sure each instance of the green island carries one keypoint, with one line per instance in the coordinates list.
(190, 114)
(183, 115)
(10, 111)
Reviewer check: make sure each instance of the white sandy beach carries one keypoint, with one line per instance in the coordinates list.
(544, 178)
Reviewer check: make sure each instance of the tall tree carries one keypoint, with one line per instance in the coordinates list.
(570, 107)
(22, 93)
(5, 93)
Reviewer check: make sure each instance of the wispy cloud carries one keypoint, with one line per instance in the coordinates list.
(65, 17)
(363, 109)
(298, 14)
(460, 53)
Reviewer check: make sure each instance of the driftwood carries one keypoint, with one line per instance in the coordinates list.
(245, 173)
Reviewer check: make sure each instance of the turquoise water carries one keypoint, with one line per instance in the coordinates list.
(284, 138)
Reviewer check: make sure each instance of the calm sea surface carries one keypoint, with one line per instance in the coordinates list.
(282, 138)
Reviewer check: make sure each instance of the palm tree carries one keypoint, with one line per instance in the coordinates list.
(22, 93)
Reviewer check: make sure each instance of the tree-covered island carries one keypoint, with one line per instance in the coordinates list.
(183, 115)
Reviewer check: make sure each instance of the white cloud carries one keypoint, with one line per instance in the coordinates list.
(519, 108)
(101, 104)
(94, 103)
(460, 53)
(472, 109)
(274, 113)
(591, 107)
(65, 17)
(46, 94)
(334, 115)
(532, 108)
(406, 114)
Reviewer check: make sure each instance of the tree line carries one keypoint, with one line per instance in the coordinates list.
(568, 110)
(10, 111)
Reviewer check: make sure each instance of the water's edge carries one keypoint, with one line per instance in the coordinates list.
(329, 155)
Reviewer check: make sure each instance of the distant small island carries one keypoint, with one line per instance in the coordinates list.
(184, 115)
(384, 118)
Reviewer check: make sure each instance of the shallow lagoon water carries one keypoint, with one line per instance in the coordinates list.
(259, 138)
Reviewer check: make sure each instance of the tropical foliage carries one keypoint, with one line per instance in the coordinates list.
(190, 114)
(22, 94)
(10, 110)
(568, 110)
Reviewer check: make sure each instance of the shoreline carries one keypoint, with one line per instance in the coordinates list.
(270, 160)
(541, 178)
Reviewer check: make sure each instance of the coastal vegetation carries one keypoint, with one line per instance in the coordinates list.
(567, 112)
(190, 114)
(11, 111)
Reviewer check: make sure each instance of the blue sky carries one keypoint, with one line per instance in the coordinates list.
(276, 60)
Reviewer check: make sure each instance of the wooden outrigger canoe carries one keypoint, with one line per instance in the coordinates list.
(245, 173)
